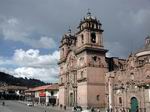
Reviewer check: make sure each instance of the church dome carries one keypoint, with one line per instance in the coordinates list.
(90, 22)
(146, 49)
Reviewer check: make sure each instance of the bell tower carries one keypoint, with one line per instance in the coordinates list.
(91, 63)
(83, 66)
(90, 32)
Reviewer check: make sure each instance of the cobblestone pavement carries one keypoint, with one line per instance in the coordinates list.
(15, 106)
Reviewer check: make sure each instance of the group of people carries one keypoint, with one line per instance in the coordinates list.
(79, 109)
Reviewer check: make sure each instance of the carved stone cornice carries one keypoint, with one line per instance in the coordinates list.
(93, 83)
(81, 80)
(91, 48)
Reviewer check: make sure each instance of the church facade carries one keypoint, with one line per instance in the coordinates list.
(128, 88)
(83, 66)
(90, 79)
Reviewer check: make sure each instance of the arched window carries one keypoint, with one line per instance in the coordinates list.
(92, 25)
(93, 37)
(82, 39)
(120, 100)
(97, 97)
(94, 58)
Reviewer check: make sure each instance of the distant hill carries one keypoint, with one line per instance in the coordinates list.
(11, 80)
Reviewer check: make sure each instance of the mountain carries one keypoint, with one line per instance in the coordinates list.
(11, 80)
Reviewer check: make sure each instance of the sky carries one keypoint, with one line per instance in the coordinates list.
(31, 30)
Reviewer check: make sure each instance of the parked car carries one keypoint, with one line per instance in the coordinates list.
(30, 104)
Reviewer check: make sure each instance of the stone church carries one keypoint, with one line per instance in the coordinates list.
(128, 88)
(83, 66)
(90, 79)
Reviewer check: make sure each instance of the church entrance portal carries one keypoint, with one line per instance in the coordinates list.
(134, 104)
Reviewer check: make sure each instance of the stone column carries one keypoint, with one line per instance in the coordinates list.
(110, 94)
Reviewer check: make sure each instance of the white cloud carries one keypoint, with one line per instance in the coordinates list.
(14, 29)
(44, 74)
(33, 58)
(32, 64)
(7, 70)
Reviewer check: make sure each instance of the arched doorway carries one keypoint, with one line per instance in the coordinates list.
(134, 104)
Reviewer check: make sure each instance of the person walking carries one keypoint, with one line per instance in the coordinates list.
(3, 103)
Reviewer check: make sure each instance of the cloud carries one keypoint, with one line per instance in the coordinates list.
(43, 42)
(32, 64)
(123, 21)
(141, 17)
(44, 74)
(40, 24)
(33, 58)
(4, 60)
(14, 30)
(115, 49)
(7, 70)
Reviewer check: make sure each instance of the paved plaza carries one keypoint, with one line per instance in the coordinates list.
(16, 106)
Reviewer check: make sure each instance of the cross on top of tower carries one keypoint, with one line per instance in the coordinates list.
(69, 30)
(89, 13)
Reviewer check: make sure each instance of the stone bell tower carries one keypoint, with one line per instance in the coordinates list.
(91, 63)
(83, 66)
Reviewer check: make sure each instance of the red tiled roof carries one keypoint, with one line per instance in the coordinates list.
(53, 86)
(46, 87)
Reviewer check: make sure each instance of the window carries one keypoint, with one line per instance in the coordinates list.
(82, 39)
(61, 80)
(94, 58)
(132, 76)
(96, 26)
(97, 97)
(52, 93)
(92, 25)
(93, 37)
(120, 100)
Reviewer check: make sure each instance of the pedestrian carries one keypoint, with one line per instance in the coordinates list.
(3, 103)
(60, 106)
(64, 107)
(92, 109)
